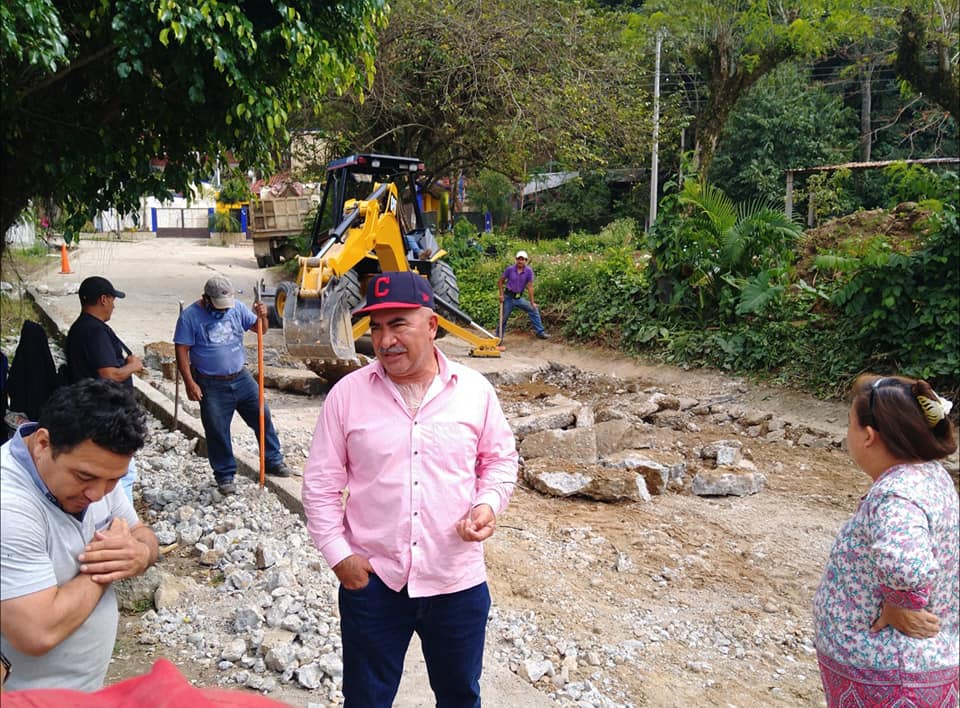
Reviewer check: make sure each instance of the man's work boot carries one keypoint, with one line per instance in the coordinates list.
(543, 335)
(280, 470)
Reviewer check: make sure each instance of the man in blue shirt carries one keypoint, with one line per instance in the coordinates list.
(210, 356)
(517, 278)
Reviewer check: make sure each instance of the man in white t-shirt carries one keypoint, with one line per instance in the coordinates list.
(67, 532)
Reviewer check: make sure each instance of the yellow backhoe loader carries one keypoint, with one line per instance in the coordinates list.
(352, 240)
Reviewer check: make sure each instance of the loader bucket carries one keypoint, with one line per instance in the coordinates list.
(318, 330)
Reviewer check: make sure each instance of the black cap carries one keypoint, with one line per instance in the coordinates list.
(93, 287)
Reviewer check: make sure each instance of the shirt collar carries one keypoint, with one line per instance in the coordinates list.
(21, 453)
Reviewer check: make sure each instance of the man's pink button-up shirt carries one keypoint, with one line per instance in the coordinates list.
(410, 477)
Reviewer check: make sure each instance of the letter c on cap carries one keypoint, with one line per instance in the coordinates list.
(380, 288)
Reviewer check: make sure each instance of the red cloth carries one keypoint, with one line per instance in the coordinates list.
(163, 687)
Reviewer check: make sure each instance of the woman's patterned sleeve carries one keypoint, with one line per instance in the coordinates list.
(902, 551)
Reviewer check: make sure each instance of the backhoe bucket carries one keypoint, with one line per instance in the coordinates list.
(318, 330)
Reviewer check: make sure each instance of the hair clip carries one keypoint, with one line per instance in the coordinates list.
(934, 409)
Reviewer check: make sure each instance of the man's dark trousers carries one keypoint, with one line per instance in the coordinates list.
(376, 625)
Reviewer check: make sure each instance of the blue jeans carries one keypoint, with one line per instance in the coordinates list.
(521, 303)
(376, 625)
(220, 400)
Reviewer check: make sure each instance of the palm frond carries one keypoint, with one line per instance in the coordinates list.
(713, 203)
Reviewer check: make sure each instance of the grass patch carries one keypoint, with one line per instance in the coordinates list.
(16, 268)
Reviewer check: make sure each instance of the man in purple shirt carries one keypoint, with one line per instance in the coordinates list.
(517, 278)
(428, 460)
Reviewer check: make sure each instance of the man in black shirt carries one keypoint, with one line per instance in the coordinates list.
(94, 351)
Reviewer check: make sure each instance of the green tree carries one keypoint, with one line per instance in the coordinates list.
(501, 85)
(92, 91)
(726, 46)
(785, 121)
(492, 192)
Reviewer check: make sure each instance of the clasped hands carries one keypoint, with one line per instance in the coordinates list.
(114, 554)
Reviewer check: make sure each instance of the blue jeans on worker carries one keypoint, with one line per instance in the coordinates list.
(220, 399)
(376, 625)
(521, 303)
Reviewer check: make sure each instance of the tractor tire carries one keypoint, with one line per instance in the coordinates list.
(349, 290)
(444, 284)
(273, 319)
(285, 291)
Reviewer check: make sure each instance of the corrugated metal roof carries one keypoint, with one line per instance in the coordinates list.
(877, 163)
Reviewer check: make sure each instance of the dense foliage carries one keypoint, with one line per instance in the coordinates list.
(502, 85)
(733, 286)
(93, 91)
(582, 204)
(785, 122)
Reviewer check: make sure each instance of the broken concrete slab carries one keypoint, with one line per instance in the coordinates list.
(727, 482)
(578, 445)
(549, 419)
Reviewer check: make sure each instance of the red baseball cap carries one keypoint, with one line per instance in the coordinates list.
(397, 290)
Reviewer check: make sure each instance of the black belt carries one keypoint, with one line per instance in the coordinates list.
(514, 295)
(220, 377)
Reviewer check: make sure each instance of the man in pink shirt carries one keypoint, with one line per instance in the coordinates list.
(429, 460)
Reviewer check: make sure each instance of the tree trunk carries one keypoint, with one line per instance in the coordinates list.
(866, 100)
(727, 82)
(940, 84)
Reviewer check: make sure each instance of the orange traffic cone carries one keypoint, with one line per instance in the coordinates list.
(64, 261)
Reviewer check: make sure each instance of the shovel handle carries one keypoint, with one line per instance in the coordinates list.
(176, 381)
(261, 402)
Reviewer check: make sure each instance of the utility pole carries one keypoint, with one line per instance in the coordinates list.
(654, 160)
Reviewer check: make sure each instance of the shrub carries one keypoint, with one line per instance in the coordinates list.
(870, 304)
(905, 308)
(224, 222)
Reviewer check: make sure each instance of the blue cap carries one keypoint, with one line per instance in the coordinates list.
(397, 290)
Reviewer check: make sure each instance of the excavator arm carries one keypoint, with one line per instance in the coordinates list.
(316, 318)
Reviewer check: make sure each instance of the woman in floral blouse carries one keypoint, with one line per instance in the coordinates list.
(887, 610)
